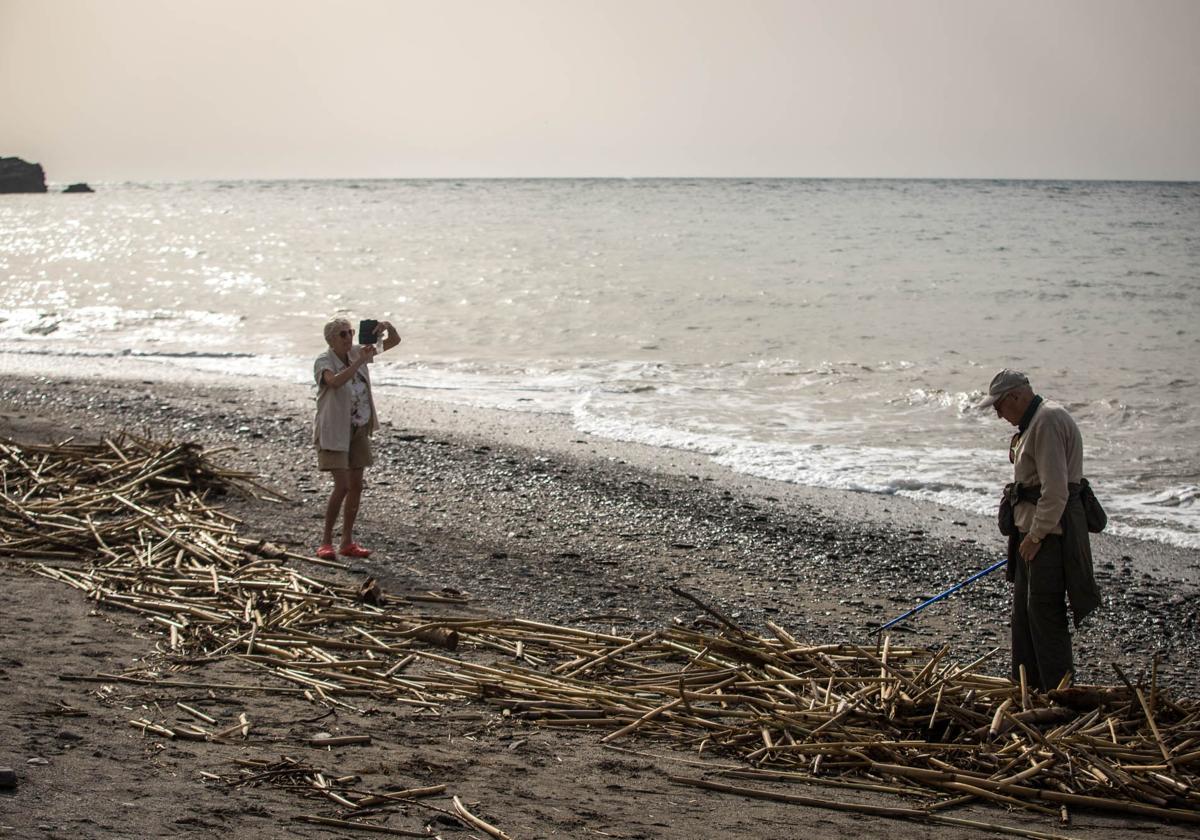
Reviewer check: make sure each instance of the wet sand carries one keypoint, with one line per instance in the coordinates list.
(529, 518)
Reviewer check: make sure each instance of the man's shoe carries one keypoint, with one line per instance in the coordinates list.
(354, 550)
(326, 552)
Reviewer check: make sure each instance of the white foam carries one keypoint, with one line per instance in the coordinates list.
(114, 328)
(962, 478)
(281, 368)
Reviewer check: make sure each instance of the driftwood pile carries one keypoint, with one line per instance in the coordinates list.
(883, 718)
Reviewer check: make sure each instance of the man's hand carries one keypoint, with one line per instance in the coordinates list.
(1030, 548)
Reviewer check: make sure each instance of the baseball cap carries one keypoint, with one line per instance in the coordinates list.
(1003, 382)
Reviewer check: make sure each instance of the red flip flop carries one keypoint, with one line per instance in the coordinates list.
(326, 552)
(354, 550)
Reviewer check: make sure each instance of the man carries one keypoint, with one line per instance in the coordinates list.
(1049, 554)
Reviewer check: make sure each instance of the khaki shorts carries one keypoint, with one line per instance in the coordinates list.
(358, 457)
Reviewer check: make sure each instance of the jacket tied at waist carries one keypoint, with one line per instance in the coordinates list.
(1082, 515)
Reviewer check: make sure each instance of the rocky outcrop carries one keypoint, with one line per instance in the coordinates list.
(81, 187)
(18, 176)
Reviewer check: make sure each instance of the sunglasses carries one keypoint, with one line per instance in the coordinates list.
(346, 333)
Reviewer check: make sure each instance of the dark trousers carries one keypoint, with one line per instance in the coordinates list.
(1041, 637)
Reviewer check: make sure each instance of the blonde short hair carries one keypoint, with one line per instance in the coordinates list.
(335, 326)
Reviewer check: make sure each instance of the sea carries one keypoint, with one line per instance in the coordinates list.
(831, 333)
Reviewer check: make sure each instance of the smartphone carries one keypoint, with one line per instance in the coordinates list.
(367, 328)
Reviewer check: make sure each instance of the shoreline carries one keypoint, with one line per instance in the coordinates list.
(858, 485)
(554, 433)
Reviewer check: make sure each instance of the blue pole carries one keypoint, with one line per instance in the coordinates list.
(937, 598)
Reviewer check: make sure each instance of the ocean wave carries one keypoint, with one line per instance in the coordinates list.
(875, 469)
(938, 398)
(965, 479)
(1175, 497)
(1170, 533)
(87, 326)
(1107, 411)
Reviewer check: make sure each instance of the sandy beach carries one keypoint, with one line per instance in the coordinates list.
(525, 517)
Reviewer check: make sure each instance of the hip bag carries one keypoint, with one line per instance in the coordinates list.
(1014, 493)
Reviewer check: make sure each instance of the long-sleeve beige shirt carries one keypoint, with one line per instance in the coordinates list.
(1050, 455)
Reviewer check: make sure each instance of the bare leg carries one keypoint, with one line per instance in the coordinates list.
(354, 491)
(341, 485)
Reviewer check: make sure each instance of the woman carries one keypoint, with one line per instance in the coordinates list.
(344, 424)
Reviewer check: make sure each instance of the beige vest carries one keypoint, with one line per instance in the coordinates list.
(331, 429)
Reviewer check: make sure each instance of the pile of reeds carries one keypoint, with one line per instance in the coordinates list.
(79, 500)
(139, 513)
(895, 719)
(832, 711)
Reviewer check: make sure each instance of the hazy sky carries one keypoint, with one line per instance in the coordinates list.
(164, 89)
